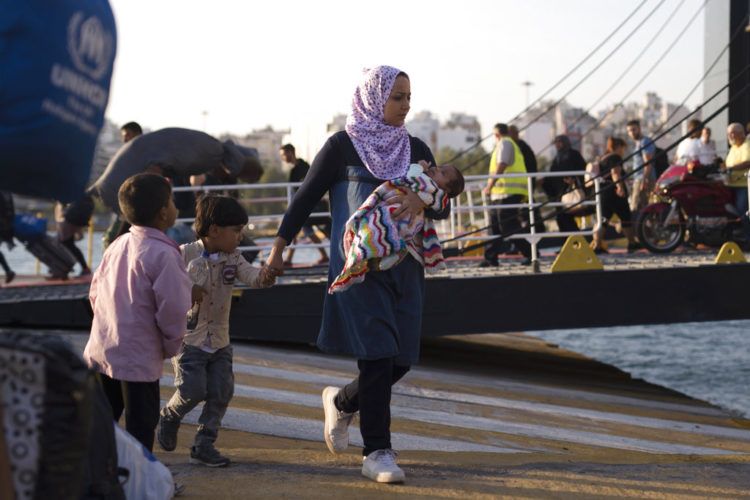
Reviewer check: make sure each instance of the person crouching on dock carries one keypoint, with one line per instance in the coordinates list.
(203, 370)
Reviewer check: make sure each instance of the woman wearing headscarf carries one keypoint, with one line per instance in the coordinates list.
(378, 321)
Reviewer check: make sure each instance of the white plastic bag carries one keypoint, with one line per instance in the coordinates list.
(149, 479)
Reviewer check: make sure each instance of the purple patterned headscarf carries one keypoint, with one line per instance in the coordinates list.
(384, 149)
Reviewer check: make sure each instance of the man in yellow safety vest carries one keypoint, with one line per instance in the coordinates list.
(506, 159)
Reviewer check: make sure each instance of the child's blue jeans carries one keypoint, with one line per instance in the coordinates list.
(202, 376)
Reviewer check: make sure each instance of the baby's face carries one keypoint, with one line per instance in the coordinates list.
(441, 174)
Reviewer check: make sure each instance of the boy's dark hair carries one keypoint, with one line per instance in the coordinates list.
(633, 123)
(288, 148)
(132, 127)
(456, 184)
(222, 211)
(142, 196)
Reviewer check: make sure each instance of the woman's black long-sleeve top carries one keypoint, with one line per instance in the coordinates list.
(328, 168)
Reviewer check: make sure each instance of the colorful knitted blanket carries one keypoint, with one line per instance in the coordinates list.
(375, 241)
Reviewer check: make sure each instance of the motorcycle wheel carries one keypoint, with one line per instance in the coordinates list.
(655, 235)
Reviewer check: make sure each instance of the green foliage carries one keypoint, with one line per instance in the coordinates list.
(474, 162)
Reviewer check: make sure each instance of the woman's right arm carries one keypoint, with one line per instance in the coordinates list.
(324, 171)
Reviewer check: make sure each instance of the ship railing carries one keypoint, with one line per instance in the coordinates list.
(474, 201)
(289, 188)
(471, 204)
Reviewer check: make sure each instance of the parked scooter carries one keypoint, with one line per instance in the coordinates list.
(693, 200)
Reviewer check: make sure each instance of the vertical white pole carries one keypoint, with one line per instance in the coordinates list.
(532, 221)
(486, 211)
(598, 198)
(470, 204)
(454, 214)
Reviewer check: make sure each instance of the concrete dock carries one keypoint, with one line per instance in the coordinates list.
(483, 416)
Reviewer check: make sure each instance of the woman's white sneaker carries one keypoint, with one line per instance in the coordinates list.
(381, 467)
(336, 427)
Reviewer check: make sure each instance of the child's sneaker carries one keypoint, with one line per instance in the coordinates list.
(166, 434)
(179, 489)
(336, 428)
(208, 456)
(381, 467)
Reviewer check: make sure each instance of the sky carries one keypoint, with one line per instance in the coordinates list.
(234, 66)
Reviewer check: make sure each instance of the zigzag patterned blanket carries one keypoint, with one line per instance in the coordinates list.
(374, 241)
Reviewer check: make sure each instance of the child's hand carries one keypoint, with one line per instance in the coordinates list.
(197, 294)
(267, 277)
(425, 166)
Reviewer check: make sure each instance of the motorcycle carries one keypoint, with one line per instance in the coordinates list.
(693, 200)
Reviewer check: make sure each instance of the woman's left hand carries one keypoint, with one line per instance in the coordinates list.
(410, 204)
(275, 261)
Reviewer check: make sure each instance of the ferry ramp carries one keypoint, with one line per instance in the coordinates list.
(633, 289)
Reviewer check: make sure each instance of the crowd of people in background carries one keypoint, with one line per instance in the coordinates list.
(624, 191)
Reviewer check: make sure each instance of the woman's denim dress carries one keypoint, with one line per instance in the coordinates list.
(382, 316)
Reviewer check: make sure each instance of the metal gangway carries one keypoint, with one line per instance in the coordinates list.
(467, 209)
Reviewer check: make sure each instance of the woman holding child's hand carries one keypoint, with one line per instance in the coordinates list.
(365, 321)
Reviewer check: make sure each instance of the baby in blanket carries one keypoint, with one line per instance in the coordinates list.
(375, 241)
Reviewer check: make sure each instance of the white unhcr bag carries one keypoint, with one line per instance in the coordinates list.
(149, 479)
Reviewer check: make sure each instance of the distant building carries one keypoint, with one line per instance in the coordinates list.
(267, 141)
(336, 124)
(425, 126)
(589, 134)
(107, 144)
(459, 132)
(539, 136)
(577, 125)
(538, 128)
(651, 112)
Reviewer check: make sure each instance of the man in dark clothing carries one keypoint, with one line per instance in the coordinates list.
(529, 159)
(566, 160)
(119, 226)
(130, 131)
(297, 174)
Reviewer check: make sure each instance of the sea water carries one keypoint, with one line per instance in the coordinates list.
(708, 361)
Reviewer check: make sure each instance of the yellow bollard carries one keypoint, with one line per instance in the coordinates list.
(576, 255)
(730, 253)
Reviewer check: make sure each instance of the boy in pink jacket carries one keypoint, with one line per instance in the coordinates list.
(140, 294)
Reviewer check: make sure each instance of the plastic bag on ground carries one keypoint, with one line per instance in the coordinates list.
(149, 479)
